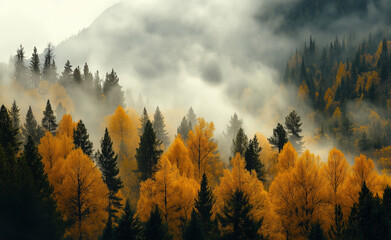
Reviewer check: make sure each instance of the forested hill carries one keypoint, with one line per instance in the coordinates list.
(348, 86)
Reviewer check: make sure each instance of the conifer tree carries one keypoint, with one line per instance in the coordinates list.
(35, 69)
(337, 229)
(143, 121)
(316, 232)
(81, 139)
(49, 66)
(184, 129)
(236, 215)
(203, 207)
(279, 137)
(191, 117)
(67, 74)
(87, 77)
(20, 68)
(293, 127)
(129, 225)
(77, 78)
(108, 232)
(60, 111)
(112, 91)
(8, 136)
(107, 162)
(155, 228)
(31, 127)
(159, 127)
(148, 153)
(234, 125)
(98, 85)
(194, 229)
(239, 143)
(49, 120)
(15, 116)
(252, 158)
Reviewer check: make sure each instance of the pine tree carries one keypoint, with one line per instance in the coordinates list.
(31, 127)
(35, 69)
(194, 229)
(154, 228)
(60, 111)
(107, 162)
(87, 77)
(203, 208)
(148, 153)
(15, 116)
(279, 137)
(234, 125)
(129, 225)
(107, 233)
(184, 129)
(236, 215)
(252, 158)
(77, 78)
(49, 70)
(81, 139)
(20, 68)
(49, 120)
(112, 91)
(143, 121)
(293, 127)
(159, 127)
(316, 232)
(337, 230)
(67, 74)
(239, 143)
(191, 117)
(98, 85)
(364, 143)
(8, 136)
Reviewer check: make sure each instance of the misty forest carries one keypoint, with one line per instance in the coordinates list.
(199, 120)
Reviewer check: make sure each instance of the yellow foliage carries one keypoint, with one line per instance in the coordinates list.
(298, 195)
(203, 151)
(128, 173)
(49, 150)
(178, 155)
(303, 92)
(287, 158)
(66, 126)
(173, 193)
(241, 179)
(81, 196)
(384, 158)
(57, 95)
(337, 114)
(268, 157)
(341, 73)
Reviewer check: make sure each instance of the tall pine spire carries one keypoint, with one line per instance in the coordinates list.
(159, 127)
(49, 120)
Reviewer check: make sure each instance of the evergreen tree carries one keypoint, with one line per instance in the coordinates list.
(49, 120)
(148, 153)
(236, 215)
(129, 225)
(49, 70)
(293, 127)
(20, 68)
(98, 85)
(87, 77)
(154, 228)
(194, 229)
(67, 74)
(143, 121)
(203, 208)
(31, 127)
(184, 129)
(279, 137)
(337, 229)
(159, 127)
(316, 232)
(234, 125)
(191, 117)
(239, 143)
(35, 69)
(252, 158)
(107, 233)
(112, 91)
(77, 75)
(60, 111)
(8, 136)
(364, 143)
(387, 206)
(107, 162)
(81, 139)
(15, 116)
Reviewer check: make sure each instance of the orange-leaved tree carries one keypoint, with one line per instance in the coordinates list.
(178, 155)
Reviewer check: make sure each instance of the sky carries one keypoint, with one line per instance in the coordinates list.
(38, 22)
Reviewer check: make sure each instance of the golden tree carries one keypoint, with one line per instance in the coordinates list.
(178, 155)
(66, 126)
(287, 158)
(203, 151)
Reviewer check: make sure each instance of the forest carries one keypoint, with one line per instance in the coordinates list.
(137, 181)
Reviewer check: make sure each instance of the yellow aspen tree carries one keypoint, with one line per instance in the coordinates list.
(173, 193)
(241, 179)
(66, 126)
(82, 196)
(49, 150)
(287, 158)
(269, 157)
(298, 195)
(203, 151)
(178, 155)
(123, 132)
(363, 170)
